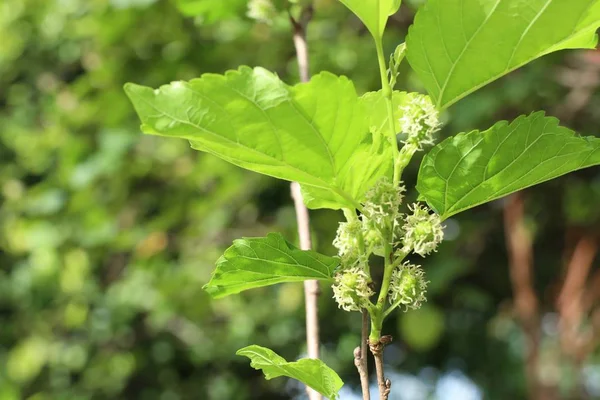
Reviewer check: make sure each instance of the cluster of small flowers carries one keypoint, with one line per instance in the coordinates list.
(408, 286)
(423, 231)
(381, 213)
(347, 241)
(351, 289)
(382, 202)
(419, 231)
(420, 120)
(261, 10)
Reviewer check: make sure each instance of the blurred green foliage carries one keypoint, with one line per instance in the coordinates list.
(106, 236)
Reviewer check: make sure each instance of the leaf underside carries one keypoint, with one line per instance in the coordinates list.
(313, 373)
(458, 46)
(255, 262)
(477, 167)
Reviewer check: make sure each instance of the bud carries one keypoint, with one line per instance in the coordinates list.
(351, 289)
(423, 231)
(261, 11)
(420, 120)
(408, 286)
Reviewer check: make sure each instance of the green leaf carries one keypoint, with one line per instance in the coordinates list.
(306, 133)
(476, 167)
(373, 13)
(458, 46)
(254, 262)
(395, 61)
(375, 105)
(359, 175)
(313, 373)
(367, 164)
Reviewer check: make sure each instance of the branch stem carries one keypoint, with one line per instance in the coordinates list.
(384, 384)
(311, 287)
(360, 357)
(387, 92)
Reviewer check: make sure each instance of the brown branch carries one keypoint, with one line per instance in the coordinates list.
(592, 295)
(570, 302)
(360, 356)
(300, 27)
(311, 287)
(520, 251)
(385, 385)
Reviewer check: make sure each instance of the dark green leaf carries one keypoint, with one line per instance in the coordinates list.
(458, 46)
(254, 262)
(476, 167)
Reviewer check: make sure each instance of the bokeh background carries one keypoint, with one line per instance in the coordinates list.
(107, 235)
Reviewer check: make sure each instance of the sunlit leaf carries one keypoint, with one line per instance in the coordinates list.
(458, 46)
(477, 167)
(375, 104)
(373, 13)
(311, 372)
(254, 262)
(307, 133)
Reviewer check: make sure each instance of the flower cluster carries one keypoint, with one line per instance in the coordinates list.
(408, 286)
(419, 231)
(347, 240)
(381, 213)
(351, 289)
(423, 231)
(420, 120)
(382, 201)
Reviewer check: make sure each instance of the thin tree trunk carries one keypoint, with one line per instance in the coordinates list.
(311, 287)
(360, 356)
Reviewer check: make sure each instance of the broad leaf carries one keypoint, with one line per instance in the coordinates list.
(476, 167)
(458, 46)
(306, 133)
(368, 163)
(254, 262)
(372, 160)
(375, 104)
(311, 372)
(373, 13)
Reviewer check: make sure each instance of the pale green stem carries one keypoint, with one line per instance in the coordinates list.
(377, 313)
(386, 90)
(391, 308)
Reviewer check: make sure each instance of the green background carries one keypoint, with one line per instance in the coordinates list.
(107, 236)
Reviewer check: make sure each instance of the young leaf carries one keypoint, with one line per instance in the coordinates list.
(313, 373)
(476, 167)
(458, 46)
(250, 118)
(395, 61)
(254, 262)
(373, 13)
